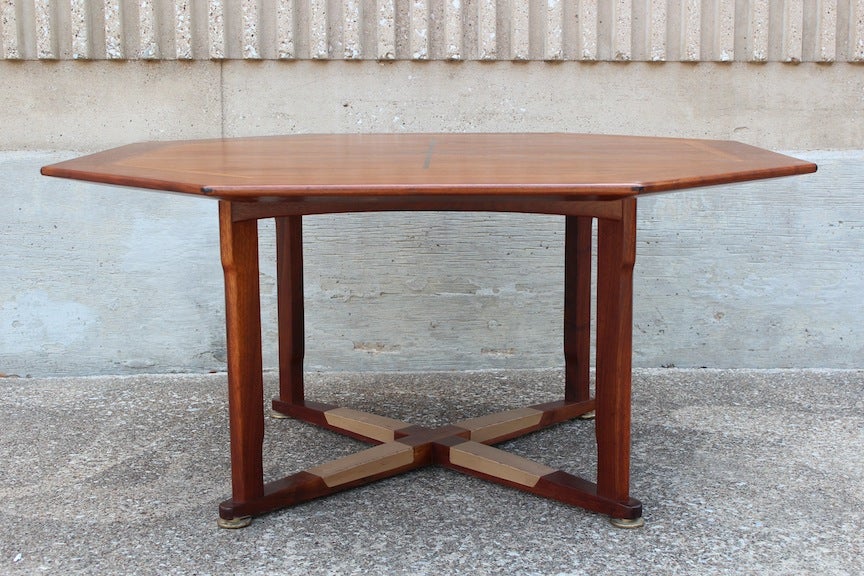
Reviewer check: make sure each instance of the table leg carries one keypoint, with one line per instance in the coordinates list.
(616, 257)
(239, 248)
(454, 446)
(577, 308)
(289, 271)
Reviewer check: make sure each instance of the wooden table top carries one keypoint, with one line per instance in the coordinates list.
(573, 166)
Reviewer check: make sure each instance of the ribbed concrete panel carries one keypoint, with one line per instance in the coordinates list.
(649, 30)
(318, 34)
(281, 14)
(48, 27)
(81, 28)
(854, 31)
(553, 48)
(611, 30)
(148, 46)
(792, 25)
(250, 37)
(215, 29)
(418, 29)
(487, 30)
(8, 39)
(588, 30)
(113, 30)
(455, 25)
(819, 32)
(519, 19)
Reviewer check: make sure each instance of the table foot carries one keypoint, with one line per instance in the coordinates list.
(278, 415)
(234, 523)
(588, 415)
(627, 523)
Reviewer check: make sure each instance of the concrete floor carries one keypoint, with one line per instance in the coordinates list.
(740, 472)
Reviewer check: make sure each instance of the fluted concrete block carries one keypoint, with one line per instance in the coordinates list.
(614, 30)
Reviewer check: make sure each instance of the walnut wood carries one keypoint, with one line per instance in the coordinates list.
(239, 248)
(496, 463)
(289, 273)
(303, 486)
(309, 410)
(551, 413)
(357, 165)
(577, 307)
(485, 428)
(370, 462)
(432, 446)
(293, 489)
(583, 177)
(315, 413)
(616, 256)
(420, 435)
(563, 410)
(367, 425)
(576, 491)
(275, 207)
(556, 485)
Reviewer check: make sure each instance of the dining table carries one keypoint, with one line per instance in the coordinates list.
(592, 181)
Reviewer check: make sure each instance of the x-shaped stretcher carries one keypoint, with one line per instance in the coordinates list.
(465, 446)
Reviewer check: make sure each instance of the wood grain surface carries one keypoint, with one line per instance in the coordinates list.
(528, 164)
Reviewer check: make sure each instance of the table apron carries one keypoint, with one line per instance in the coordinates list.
(272, 208)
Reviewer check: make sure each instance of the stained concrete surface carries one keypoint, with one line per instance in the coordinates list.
(739, 471)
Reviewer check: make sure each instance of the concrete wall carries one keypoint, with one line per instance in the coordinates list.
(586, 30)
(107, 280)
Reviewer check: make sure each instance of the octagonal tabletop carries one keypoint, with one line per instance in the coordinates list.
(572, 166)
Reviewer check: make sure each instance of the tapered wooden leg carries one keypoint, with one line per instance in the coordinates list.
(616, 258)
(577, 308)
(239, 248)
(289, 272)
